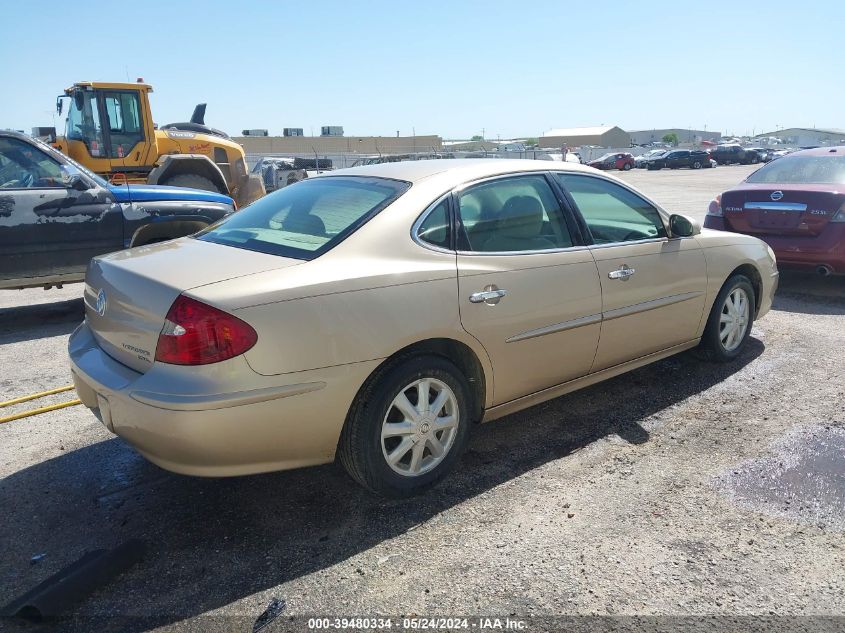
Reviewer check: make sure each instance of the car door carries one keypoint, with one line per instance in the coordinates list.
(48, 227)
(528, 288)
(653, 286)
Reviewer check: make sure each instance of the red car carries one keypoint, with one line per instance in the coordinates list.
(796, 204)
(620, 161)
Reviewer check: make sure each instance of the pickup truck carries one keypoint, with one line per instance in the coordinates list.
(55, 215)
(677, 158)
(731, 153)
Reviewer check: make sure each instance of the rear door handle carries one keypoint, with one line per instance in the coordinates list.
(624, 273)
(491, 295)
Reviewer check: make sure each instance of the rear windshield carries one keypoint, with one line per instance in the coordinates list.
(308, 218)
(802, 169)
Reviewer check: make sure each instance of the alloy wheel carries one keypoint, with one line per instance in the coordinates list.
(733, 321)
(420, 427)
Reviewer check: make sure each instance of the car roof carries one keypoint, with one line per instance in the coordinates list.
(16, 134)
(457, 169)
(838, 150)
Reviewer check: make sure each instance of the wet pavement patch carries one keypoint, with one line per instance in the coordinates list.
(802, 478)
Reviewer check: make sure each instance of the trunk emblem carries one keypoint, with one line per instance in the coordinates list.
(101, 303)
(776, 195)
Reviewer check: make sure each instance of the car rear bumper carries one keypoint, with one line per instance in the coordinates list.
(826, 249)
(206, 421)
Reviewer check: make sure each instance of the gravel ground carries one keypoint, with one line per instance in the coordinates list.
(680, 489)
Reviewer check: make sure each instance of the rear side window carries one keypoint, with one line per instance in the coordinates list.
(435, 229)
(612, 212)
(514, 214)
(308, 218)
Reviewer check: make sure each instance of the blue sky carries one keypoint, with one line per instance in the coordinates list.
(449, 68)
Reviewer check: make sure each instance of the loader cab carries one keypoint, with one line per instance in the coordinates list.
(108, 126)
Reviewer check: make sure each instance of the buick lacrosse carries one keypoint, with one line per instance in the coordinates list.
(376, 314)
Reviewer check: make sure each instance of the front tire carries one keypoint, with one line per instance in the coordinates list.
(407, 427)
(696, 165)
(730, 321)
(626, 167)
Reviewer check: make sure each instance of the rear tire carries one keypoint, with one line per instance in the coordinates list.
(393, 443)
(696, 165)
(730, 321)
(193, 181)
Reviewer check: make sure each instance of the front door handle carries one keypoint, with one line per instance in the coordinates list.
(491, 295)
(623, 272)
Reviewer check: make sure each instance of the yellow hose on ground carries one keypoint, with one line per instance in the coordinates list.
(34, 396)
(52, 407)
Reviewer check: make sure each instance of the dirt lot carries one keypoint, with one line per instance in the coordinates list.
(683, 488)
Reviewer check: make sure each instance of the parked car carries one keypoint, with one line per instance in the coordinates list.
(378, 313)
(796, 204)
(727, 154)
(55, 215)
(640, 161)
(677, 158)
(764, 153)
(277, 172)
(780, 153)
(622, 161)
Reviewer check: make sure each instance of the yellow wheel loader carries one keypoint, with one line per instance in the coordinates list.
(110, 130)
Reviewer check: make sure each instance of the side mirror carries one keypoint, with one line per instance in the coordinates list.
(682, 226)
(77, 183)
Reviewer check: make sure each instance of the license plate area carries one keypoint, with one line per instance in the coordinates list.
(775, 215)
(777, 219)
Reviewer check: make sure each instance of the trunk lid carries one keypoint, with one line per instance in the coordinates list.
(765, 209)
(128, 293)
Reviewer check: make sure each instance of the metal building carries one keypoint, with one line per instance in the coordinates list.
(603, 136)
(685, 135)
(805, 136)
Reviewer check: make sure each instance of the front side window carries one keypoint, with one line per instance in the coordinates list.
(23, 166)
(83, 122)
(308, 218)
(612, 212)
(512, 214)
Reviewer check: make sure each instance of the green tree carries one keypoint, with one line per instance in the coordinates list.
(531, 141)
(670, 138)
(477, 137)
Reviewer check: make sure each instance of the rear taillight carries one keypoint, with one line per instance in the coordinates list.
(197, 334)
(715, 207)
(839, 216)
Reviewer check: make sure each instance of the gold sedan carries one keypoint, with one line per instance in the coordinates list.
(378, 313)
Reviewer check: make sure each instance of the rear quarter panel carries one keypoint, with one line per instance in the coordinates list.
(369, 297)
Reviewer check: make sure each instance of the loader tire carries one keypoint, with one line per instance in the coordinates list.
(193, 181)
